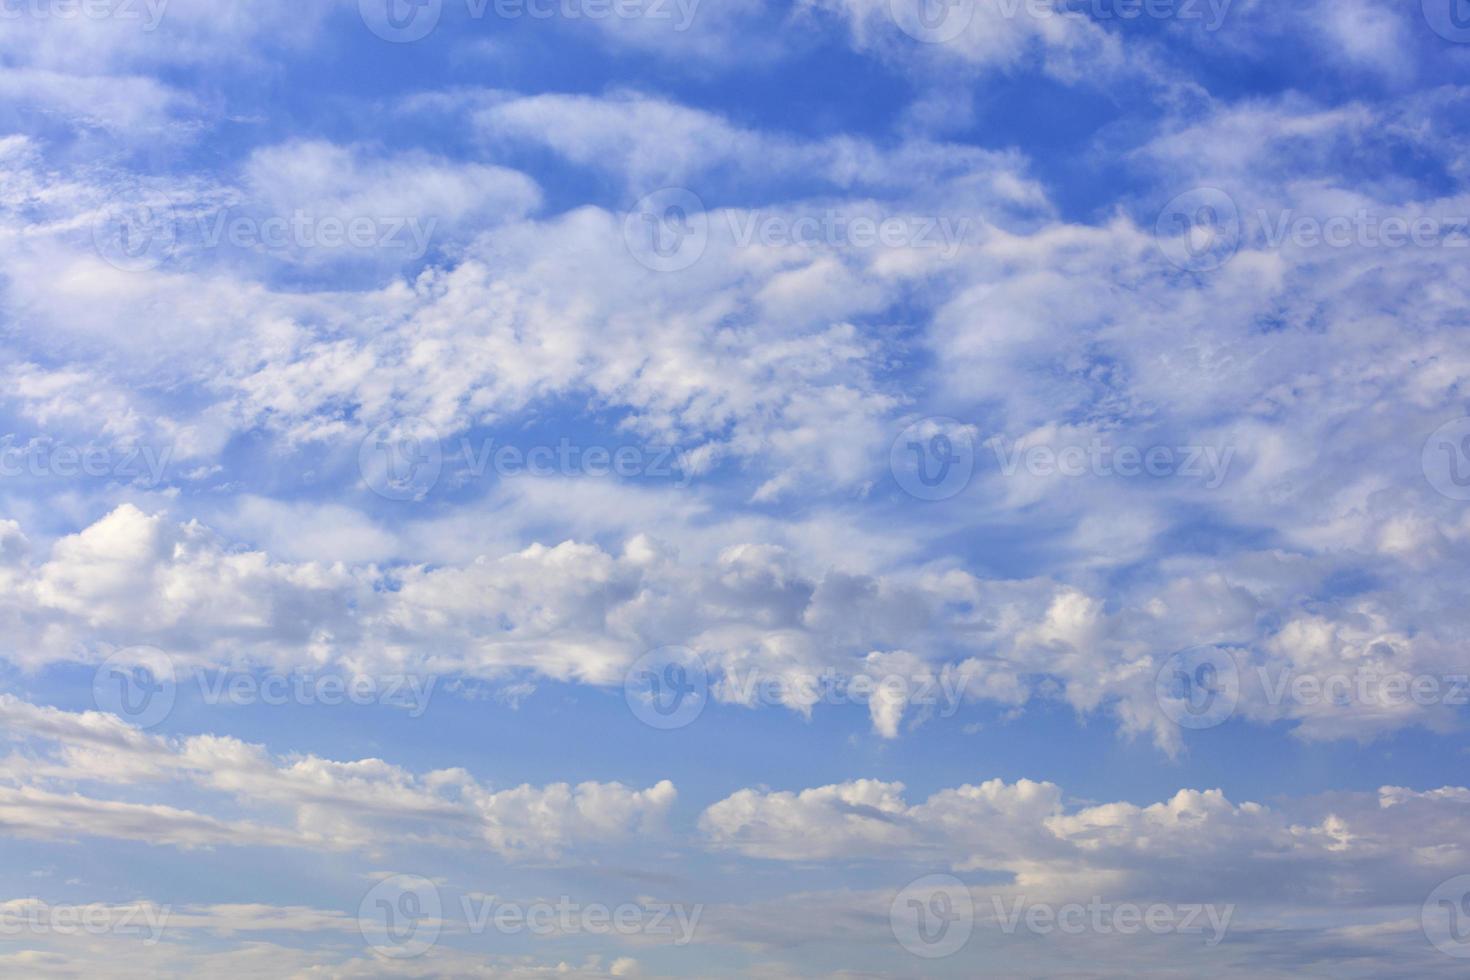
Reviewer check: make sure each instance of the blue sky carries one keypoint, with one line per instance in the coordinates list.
(734, 489)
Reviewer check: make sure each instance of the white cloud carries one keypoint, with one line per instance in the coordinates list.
(583, 613)
(990, 35)
(1356, 849)
(368, 804)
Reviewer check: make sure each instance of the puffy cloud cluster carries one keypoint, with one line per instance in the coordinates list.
(763, 617)
(302, 801)
(1349, 849)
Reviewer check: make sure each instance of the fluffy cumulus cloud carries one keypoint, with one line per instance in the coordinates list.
(1271, 887)
(1357, 849)
(989, 35)
(313, 802)
(769, 627)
